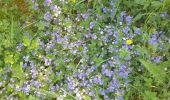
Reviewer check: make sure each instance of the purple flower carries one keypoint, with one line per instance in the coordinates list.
(168, 41)
(153, 41)
(119, 98)
(104, 10)
(123, 14)
(111, 88)
(26, 58)
(102, 92)
(36, 6)
(112, 4)
(26, 89)
(52, 88)
(5, 77)
(163, 15)
(108, 73)
(25, 65)
(47, 2)
(92, 25)
(1, 84)
(125, 30)
(59, 39)
(129, 19)
(138, 31)
(122, 68)
(47, 16)
(93, 36)
(85, 16)
(36, 84)
(47, 62)
(157, 59)
(33, 1)
(91, 93)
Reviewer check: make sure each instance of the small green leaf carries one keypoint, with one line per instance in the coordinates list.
(138, 17)
(40, 26)
(156, 4)
(32, 98)
(156, 71)
(26, 41)
(150, 95)
(141, 2)
(51, 56)
(17, 71)
(9, 59)
(34, 44)
(87, 97)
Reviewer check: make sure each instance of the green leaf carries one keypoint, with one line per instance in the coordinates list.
(150, 95)
(87, 97)
(156, 4)
(157, 71)
(32, 98)
(51, 56)
(40, 26)
(9, 59)
(26, 41)
(141, 2)
(98, 60)
(138, 17)
(34, 44)
(17, 71)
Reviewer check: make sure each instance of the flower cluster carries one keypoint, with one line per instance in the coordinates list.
(80, 54)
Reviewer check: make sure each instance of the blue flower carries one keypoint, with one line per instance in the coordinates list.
(26, 89)
(85, 16)
(104, 10)
(102, 92)
(47, 2)
(125, 30)
(92, 24)
(138, 31)
(47, 16)
(129, 19)
(157, 59)
(153, 41)
(36, 6)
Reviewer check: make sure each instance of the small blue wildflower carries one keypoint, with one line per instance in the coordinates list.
(168, 41)
(119, 98)
(104, 10)
(102, 92)
(129, 19)
(26, 89)
(1, 84)
(47, 16)
(47, 2)
(36, 6)
(91, 93)
(157, 59)
(138, 31)
(85, 16)
(123, 14)
(92, 24)
(163, 15)
(125, 30)
(153, 41)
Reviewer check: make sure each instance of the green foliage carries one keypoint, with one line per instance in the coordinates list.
(148, 95)
(149, 80)
(17, 71)
(157, 71)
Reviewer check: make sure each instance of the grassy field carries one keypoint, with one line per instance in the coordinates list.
(84, 49)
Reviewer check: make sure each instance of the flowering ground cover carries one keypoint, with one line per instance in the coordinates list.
(84, 49)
